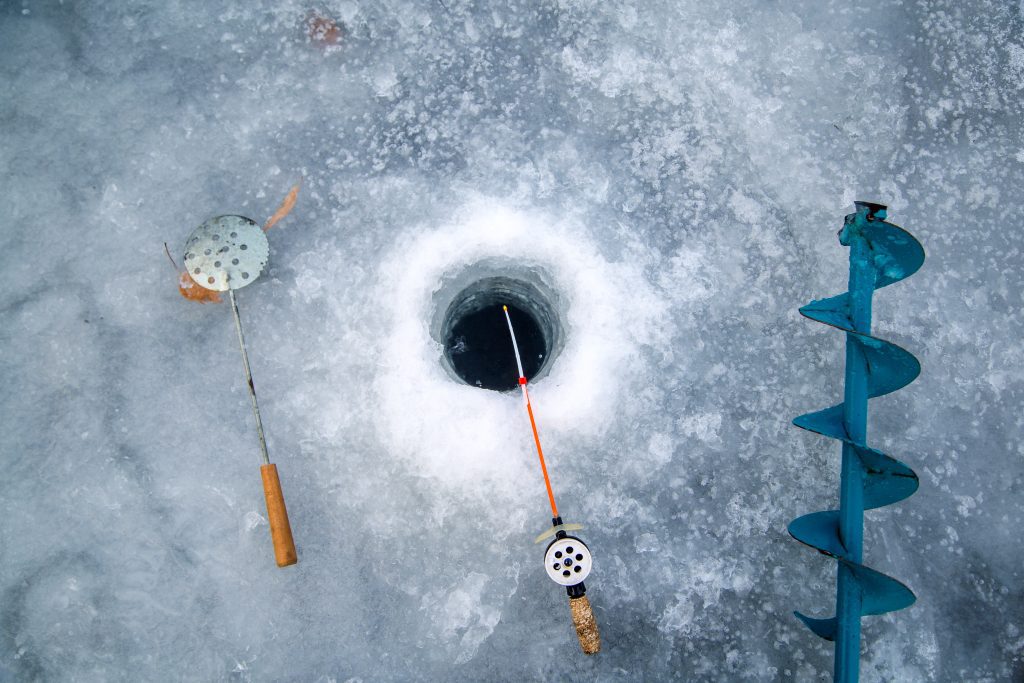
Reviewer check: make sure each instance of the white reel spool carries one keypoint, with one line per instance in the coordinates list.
(568, 561)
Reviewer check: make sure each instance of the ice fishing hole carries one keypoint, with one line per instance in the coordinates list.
(477, 345)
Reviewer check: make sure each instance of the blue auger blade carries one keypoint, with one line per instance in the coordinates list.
(880, 254)
(887, 480)
(820, 530)
(896, 254)
(834, 311)
(881, 593)
(823, 628)
(889, 367)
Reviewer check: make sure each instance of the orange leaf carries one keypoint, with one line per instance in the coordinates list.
(193, 292)
(322, 29)
(286, 206)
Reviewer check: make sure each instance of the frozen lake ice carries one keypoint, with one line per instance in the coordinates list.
(672, 174)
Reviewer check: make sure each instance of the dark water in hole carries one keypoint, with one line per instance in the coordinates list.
(481, 352)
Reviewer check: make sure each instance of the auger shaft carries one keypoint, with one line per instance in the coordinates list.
(851, 487)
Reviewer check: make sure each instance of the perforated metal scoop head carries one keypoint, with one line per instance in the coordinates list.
(226, 252)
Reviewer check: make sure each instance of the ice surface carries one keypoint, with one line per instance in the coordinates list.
(677, 171)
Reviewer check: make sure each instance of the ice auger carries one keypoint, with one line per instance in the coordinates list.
(880, 254)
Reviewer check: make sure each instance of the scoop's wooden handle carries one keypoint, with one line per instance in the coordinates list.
(277, 514)
(586, 625)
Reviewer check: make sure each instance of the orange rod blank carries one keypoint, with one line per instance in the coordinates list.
(529, 410)
(277, 515)
(540, 453)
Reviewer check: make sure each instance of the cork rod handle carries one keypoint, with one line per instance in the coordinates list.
(586, 625)
(277, 514)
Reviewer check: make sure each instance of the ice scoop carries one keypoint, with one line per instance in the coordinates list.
(224, 254)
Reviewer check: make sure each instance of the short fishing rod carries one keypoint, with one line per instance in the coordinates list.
(567, 559)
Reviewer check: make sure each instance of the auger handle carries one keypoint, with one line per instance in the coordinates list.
(586, 625)
(277, 515)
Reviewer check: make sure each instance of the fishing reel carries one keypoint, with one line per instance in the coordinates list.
(568, 562)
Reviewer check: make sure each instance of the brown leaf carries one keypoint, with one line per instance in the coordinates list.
(193, 292)
(286, 206)
(322, 29)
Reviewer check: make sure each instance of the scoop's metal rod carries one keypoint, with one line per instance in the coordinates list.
(248, 378)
